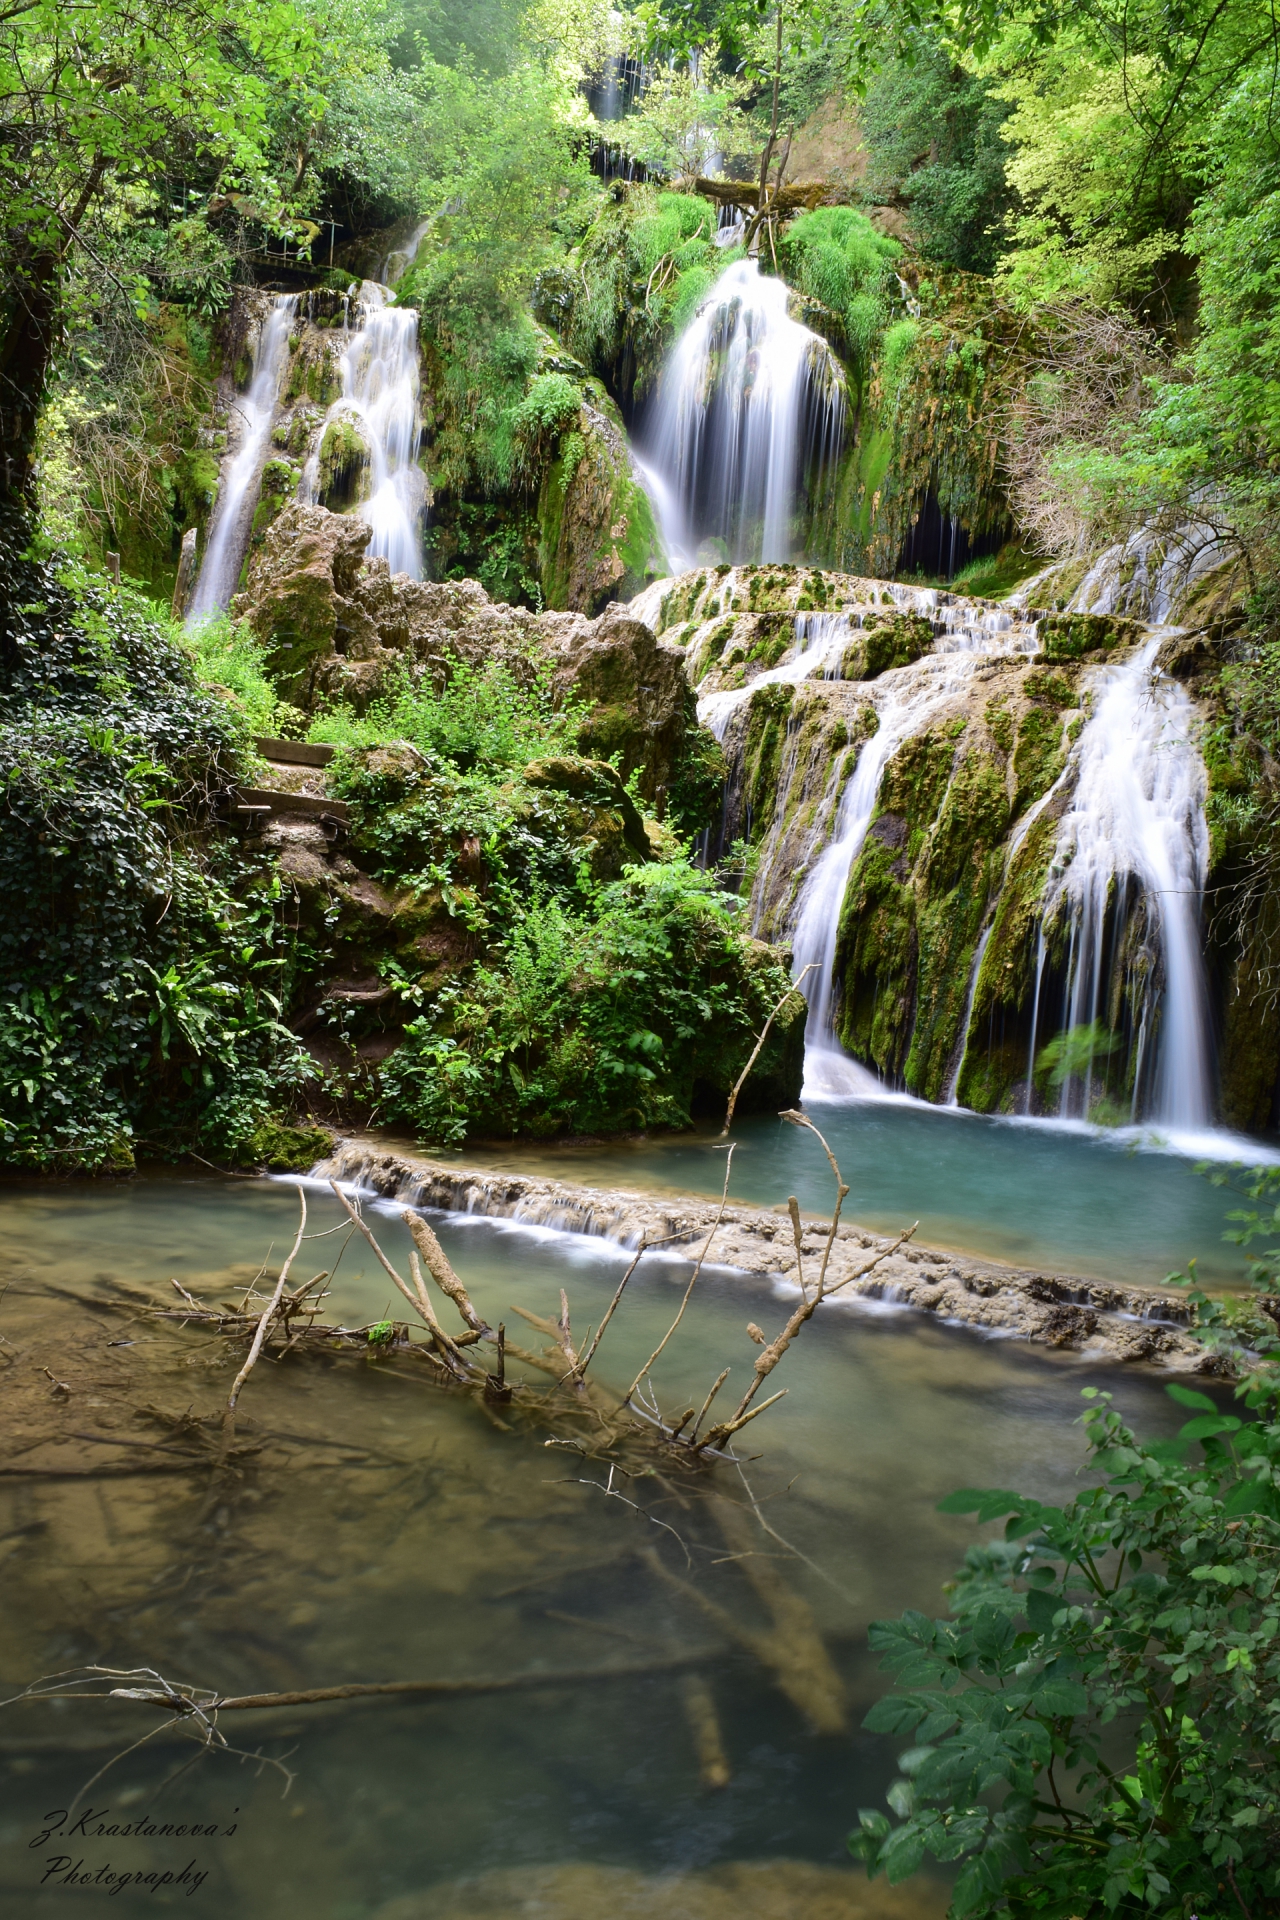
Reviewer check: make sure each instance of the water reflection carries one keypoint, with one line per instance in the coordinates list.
(378, 1527)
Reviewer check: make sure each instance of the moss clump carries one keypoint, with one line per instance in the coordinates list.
(768, 712)
(285, 1148)
(344, 463)
(1069, 636)
(885, 643)
(1049, 687)
(1006, 981)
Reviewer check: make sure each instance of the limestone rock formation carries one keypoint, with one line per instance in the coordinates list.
(599, 541)
(334, 625)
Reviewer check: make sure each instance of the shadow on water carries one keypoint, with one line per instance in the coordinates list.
(378, 1527)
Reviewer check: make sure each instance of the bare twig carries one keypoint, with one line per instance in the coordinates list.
(706, 1405)
(269, 1313)
(628, 1395)
(756, 1050)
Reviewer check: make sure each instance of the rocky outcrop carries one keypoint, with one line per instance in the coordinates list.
(1087, 1316)
(335, 625)
(598, 538)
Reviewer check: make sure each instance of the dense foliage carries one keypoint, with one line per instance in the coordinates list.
(1094, 1731)
(142, 964)
(635, 1010)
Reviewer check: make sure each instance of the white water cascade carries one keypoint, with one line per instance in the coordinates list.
(232, 518)
(380, 389)
(1131, 859)
(748, 398)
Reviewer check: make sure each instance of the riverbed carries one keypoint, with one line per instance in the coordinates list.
(377, 1527)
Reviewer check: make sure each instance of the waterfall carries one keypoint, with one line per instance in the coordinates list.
(1126, 885)
(379, 369)
(232, 518)
(906, 700)
(748, 399)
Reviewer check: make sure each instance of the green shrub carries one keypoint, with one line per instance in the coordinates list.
(835, 254)
(501, 713)
(230, 659)
(141, 961)
(1095, 1731)
(595, 1018)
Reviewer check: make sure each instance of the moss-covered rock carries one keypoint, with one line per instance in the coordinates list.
(1070, 636)
(343, 463)
(285, 1148)
(598, 537)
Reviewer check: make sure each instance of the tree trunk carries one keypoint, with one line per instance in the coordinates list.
(28, 327)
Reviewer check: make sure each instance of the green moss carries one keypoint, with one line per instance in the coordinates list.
(1069, 636)
(1006, 981)
(1000, 722)
(343, 462)
(1049, 687)
(285, 1148)
(1039, 757)
(768, 712)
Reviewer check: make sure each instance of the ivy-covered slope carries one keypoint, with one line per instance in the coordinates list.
(143, 960)
(511, 941)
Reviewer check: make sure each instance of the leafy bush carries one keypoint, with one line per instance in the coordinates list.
(1095, 1730)
(593, 1019)
(230, 659)
(501, 713)
(835, 254)
(140, 971)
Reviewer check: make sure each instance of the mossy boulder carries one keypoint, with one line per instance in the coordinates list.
(595, 784)
(885, 642)
(1070, 636)
(343, 462)
(598, 539)
(285, 1148)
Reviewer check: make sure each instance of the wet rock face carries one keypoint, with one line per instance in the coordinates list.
(335, 625)
(598, 539)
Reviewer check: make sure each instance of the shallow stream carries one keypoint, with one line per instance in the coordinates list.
(379, 1527)
(1120, 1206)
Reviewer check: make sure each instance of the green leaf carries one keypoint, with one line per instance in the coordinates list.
(1208, 1425)
(987, 1505)
(1061, 1697)
(902, 1853)
(893, 1715)
(1188, 1397)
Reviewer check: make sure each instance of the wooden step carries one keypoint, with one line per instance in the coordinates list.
(296, 803)
(295, 753)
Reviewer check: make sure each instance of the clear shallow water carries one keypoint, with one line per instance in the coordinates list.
(386, 1529)
(1072, 1200)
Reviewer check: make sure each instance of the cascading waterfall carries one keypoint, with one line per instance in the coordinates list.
(828, 1069)
(232, 518)
(748, 398)
(380, 388)
(1127, 883)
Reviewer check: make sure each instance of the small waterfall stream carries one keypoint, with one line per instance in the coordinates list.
(380, 392)
(232, 519)
(748, 397)
(1128, 880)
(1118, 929)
